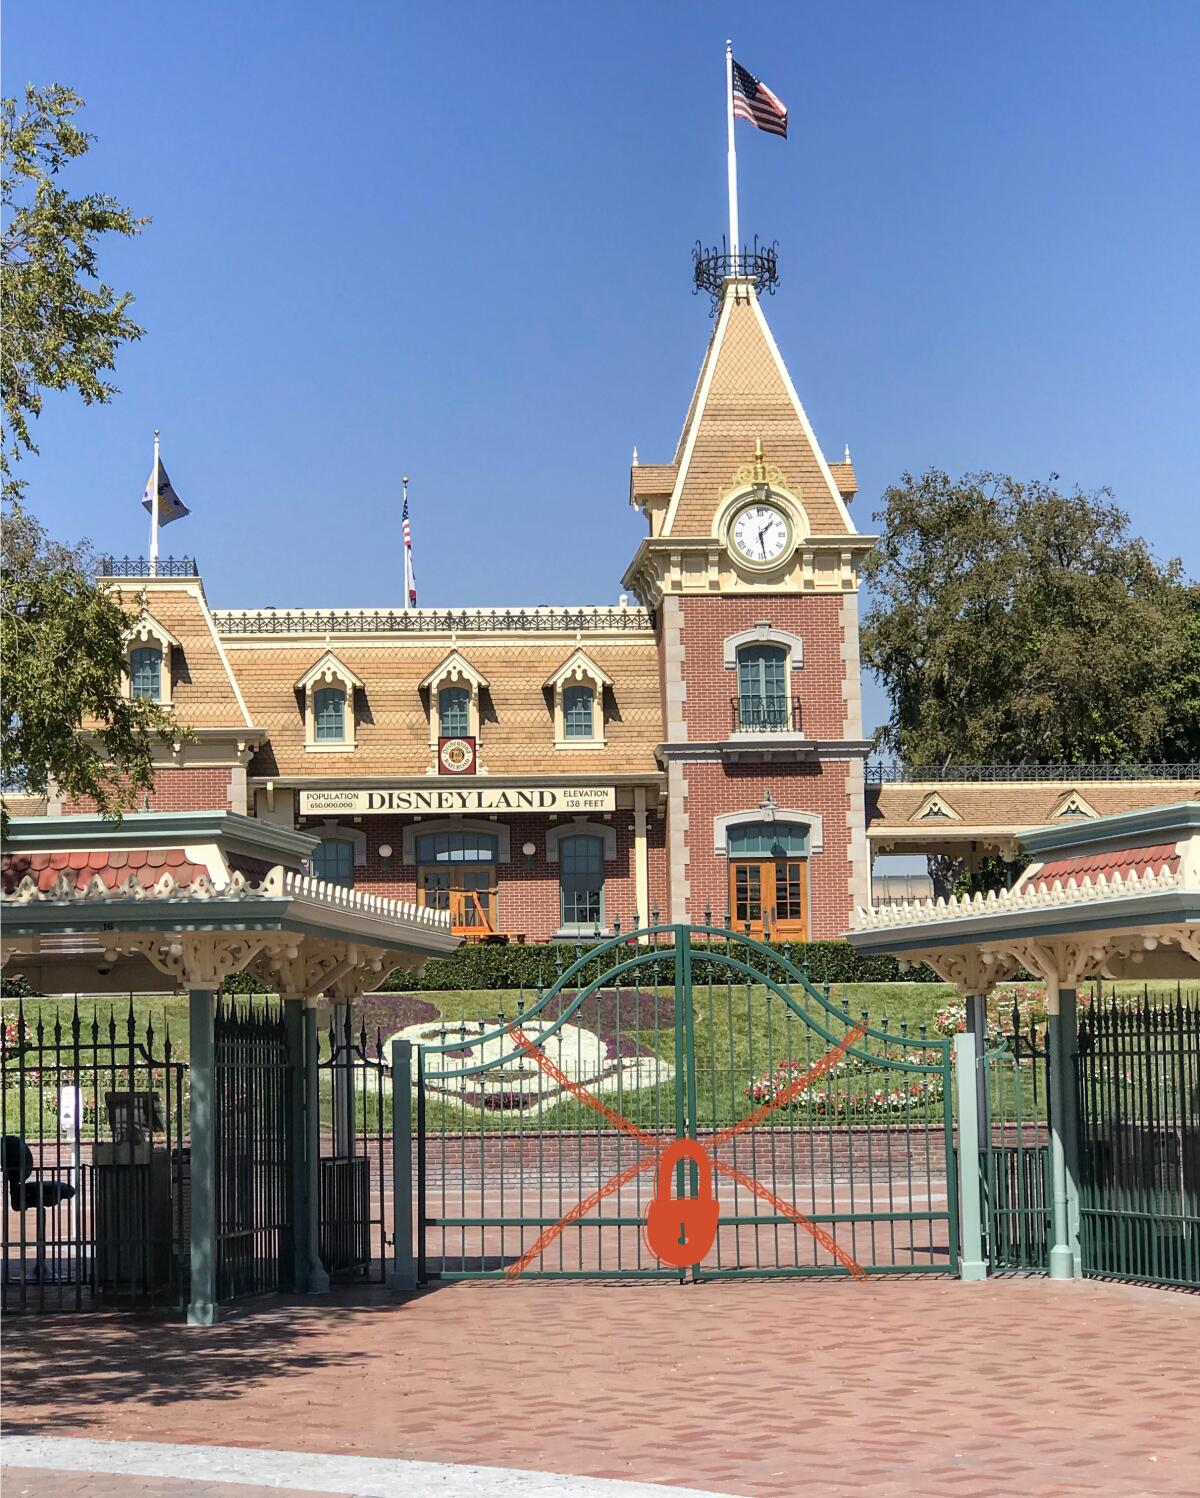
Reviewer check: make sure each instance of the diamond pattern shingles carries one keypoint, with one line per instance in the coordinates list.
(392, 735)
(747, 399)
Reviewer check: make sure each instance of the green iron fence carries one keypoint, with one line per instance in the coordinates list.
(1138, 1078)
(252, 1136)
(95, 1159)
(1015, 1145)
(681, 1032)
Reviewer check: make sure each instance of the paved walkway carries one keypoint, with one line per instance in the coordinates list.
(895, 1387)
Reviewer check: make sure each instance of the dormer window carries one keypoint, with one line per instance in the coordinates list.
(329, 705)
(145, 673)
(454, 712)
(578, 687)
(579, 704)
(328, 687)
(455, 689)
(148, 646)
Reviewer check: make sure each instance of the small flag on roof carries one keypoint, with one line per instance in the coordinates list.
(170, 506)
(754, 101)
(410, 577)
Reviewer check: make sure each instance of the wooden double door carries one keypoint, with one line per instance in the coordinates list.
(469, 894)
(770, 897)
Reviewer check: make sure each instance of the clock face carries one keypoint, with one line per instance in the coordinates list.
(760, 533)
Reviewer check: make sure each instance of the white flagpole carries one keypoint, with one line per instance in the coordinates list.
(154, 512)
(732, 160)
(404, 543)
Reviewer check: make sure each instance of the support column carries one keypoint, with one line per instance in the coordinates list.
(976, 1006)
(404, 1264)
(641, 858)
(293, 1014)
(973, 1265)
(343, 1080)
(1063, 1252)
(202, 1297)
(318, 1279)
(1068, 1051)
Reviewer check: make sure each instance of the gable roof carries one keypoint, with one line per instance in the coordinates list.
(745, 392)
(328, 668)
(455, 665)
(579, 664)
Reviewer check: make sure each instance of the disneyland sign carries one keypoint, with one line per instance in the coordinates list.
(513, 798)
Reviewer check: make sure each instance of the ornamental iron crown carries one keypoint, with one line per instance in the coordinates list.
(755, 262)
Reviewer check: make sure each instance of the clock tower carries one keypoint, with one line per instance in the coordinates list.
(751, 565)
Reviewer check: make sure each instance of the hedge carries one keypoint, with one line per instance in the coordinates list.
(487, 966)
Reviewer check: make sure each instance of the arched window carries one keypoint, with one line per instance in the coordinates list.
(768, 840)
(763, 688)
(329, 706)
(579, 706)
(333, 860)
(454, 712)
(581, 882)
(145, 673)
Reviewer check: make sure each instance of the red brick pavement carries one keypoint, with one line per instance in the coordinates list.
(895, 1387)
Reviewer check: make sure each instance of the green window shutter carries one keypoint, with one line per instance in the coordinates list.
(767, 840)
(333, 860)
(145, 673)
(762, 687)
(581, 881)
(329, 707)
(579, 705)
(454, 712)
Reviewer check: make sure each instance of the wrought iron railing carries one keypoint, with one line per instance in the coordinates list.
(144, 567)
(427, 621)
(885, 773)
(752, 713)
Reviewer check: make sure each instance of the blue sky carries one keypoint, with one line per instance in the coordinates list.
(453, 241)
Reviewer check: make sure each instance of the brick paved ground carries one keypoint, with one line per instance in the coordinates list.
(895, 1387)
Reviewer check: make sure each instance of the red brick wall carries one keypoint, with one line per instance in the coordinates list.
(527, 889)
(175, 790)
(714, 789)
(709, 621)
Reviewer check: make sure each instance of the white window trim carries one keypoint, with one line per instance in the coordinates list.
(766, 634)
(145, 631)
(935, 808)
(455, 671)
(579, 670)
(813, 820)
(335, 832)
(580, 827)
(410, 834)
(328, 672)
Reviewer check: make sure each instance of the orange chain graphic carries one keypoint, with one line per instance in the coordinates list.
(614, 1184)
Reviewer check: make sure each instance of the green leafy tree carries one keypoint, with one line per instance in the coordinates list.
(63, 325)
(65, 718)
(1014, 623)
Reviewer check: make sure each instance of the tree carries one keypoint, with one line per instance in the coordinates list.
(63, 326)
(64, 715)
(1014, 623)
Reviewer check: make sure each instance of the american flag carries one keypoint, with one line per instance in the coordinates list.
(410, 578)
(755, 102)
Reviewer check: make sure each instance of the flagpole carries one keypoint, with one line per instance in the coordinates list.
(404, 545)
(731, 160)
(154, 512)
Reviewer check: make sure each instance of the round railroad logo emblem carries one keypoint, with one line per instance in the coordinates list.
(457, 756)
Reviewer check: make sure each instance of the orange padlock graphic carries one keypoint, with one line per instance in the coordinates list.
(681, 1229)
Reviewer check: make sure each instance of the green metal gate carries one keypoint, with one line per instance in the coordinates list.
(1014, 1140)
(683, 1032)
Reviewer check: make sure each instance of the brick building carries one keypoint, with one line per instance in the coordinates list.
(546, 771)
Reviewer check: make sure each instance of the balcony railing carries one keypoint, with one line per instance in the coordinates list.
(144, 567)
(765, 714)
(878, 773)
(429, 621)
